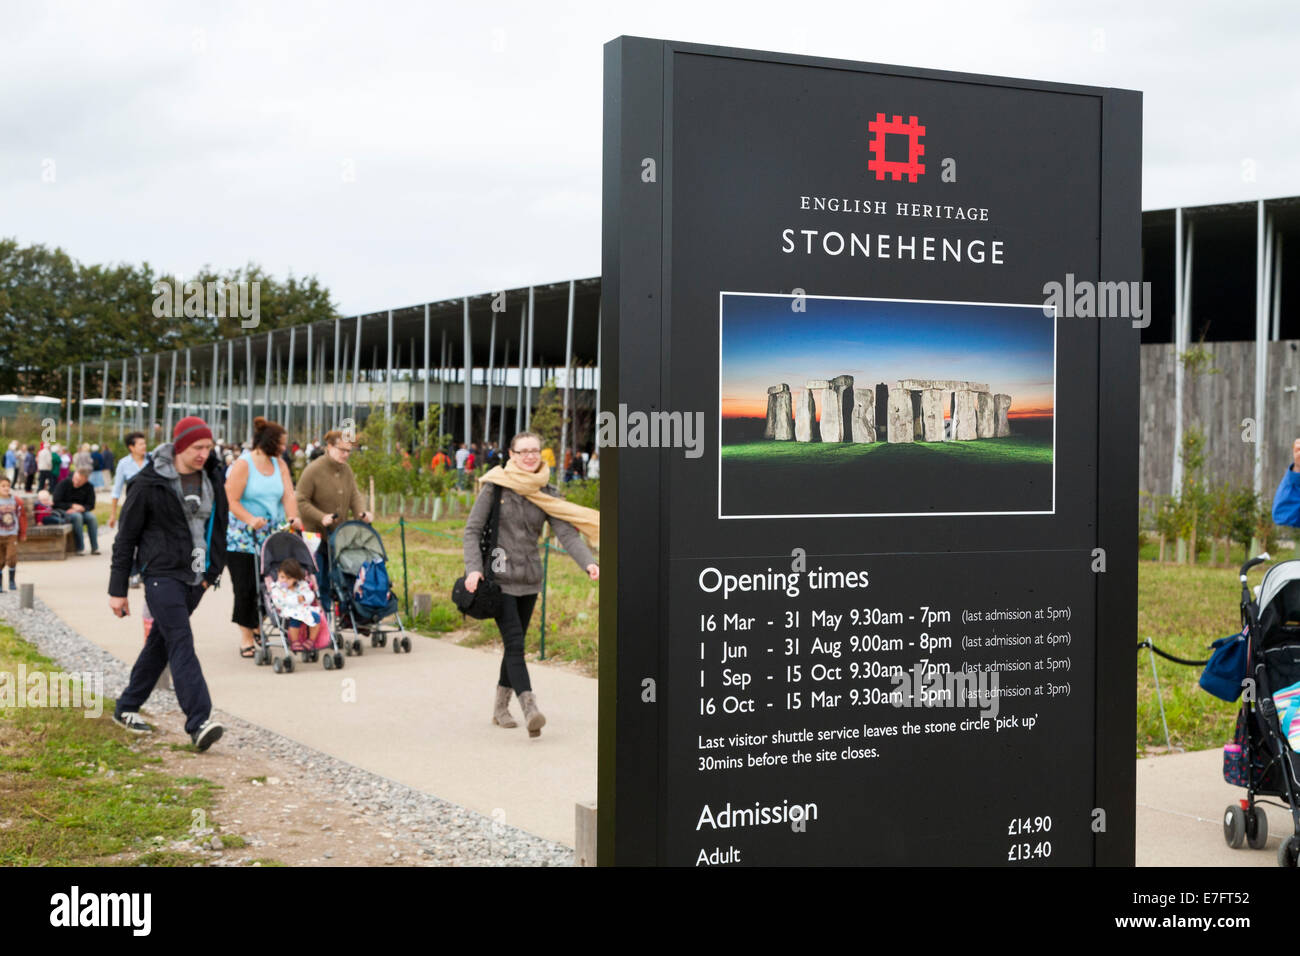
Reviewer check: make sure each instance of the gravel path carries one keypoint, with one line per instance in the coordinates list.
(446, 833)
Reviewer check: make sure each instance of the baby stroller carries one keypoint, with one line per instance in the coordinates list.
(272, 625)
(1262, 757)
(362, 595)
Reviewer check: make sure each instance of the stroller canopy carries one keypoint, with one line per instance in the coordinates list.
(353, 544)
(1275, 583)
(283, 545)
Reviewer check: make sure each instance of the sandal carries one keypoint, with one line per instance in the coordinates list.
(248, 651)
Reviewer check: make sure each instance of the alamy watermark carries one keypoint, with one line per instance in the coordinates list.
(1098, 300)
(638, 429)
(79, 691)
(214, 299)
(937, 685)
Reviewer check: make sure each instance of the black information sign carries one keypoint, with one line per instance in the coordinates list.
(869, 442)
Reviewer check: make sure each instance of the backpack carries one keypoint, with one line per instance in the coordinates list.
(372, 586)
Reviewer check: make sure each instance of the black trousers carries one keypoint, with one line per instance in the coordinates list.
(243, 581)
(171, 642)
(513, 623)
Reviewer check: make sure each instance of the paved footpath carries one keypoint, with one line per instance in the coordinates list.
(1181, 799)
(423, 719)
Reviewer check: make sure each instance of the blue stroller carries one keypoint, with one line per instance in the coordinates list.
(363, 597)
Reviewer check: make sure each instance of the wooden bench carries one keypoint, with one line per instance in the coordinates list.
(46, 542)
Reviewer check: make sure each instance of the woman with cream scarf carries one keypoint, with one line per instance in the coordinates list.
(528, 501)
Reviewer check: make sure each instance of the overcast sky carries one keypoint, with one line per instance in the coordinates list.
(406, 152)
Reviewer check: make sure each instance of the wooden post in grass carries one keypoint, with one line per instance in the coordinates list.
(372, 496)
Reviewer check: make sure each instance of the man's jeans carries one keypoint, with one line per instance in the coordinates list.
(170, 641)
(78, 520)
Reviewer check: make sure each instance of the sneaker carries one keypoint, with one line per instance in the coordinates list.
(133, 722)
(94, 550)
(207, 735)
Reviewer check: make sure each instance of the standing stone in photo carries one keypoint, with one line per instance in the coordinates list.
(780, 412)
(836, 408)
(984, 420)
(862, 420)
(932, 414)
(963, 416)
(804, 416)
(901, 424)
(1001, 405)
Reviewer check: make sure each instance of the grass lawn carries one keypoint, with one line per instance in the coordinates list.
(78, 791)
(992, 474)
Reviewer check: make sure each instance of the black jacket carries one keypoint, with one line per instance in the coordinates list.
(154, 533)
(66, 493)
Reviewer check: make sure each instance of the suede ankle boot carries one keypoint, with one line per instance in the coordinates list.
(535, 718)
(501, 711)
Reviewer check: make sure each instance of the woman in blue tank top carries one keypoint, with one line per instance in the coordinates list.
(260, 492)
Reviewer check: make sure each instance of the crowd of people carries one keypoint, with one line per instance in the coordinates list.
(191, 508)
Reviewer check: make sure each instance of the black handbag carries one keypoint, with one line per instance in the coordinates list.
(485, 602)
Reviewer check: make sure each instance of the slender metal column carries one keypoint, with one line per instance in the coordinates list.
(81, 404)
(153, 393)
(519, 385)
(229, 405)
(171, 396)
(487, 404)
(445, 360)
(251, 381)
(568, 374)
(388, 387)
(266, 393)
(333, 397)
(288, 383)
(501, 427)
(121, 417)
(189, 377)
(139, 392)
(468, 357)
(528, 385)
(103, 399)
(1261, 353)
(425, 376)
(214, 416)
(311, 360)
(356, 370)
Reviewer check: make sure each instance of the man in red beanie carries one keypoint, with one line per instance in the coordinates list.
(173, 528)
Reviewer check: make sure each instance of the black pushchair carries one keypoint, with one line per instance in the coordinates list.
(273, 625)
(357, 552)
(1262, 757)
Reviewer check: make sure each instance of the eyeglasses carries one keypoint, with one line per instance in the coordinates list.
(528, 452)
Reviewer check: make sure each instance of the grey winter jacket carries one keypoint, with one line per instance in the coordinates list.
(520, 526)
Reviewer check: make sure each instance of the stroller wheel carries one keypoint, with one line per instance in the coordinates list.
(374, 640)
(338, 661)
(277, 665)
(329, 662)
(356, 647)
(1256, 828)
(397, 647)
(288, 664)
(406, 644)
(1234, 826)
(1288, 851)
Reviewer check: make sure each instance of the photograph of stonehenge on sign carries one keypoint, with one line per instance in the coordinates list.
(859, 407)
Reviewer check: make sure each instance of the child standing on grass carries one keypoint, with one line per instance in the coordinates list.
(294, 598)
(13, 528)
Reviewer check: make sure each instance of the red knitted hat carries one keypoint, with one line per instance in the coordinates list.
(188, 431)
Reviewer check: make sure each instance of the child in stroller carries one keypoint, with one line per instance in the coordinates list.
(298, 605)
(292, 616)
